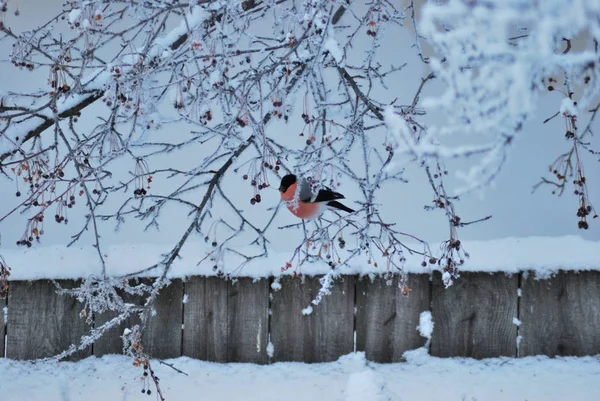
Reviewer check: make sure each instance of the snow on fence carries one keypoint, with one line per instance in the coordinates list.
(482, 315)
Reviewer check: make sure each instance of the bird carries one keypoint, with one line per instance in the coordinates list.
(309, 205)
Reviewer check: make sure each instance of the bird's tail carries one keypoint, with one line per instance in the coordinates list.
(338, 205)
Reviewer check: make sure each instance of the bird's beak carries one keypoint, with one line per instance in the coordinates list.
(280, 189)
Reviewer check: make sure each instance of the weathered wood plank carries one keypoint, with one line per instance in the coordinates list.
(3, 305)
(162, 335)
(205, 319)
(111, 342)
(474, 317)
(325, 334)
(561, 316)
(42, 323)
(386, 320)
(248, 321)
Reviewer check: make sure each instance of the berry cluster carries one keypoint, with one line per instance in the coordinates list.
(277, 103)
(58, 80)
(25, 64)
(147, 375)
(21, 53)
(432, 261)
(455, 221)
(258, 171)
(306, 118)
(372, 31)
(308, 122)
(585, 208)
(206, 117)
(143, 179)
(287, 266)
(115, 72)
(42, 180)
(34, 231)
(256, 199)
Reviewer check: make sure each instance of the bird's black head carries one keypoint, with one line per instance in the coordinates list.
(287, 182)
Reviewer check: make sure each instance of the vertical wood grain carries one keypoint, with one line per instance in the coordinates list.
(386, 320)
(205, 319)
(162, 336)
(3, 305)
(474, 316)
(248, 320)
(561, 315)
(321, 336)
(42, 323)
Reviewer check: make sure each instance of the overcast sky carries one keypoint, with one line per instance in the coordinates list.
(516, 211)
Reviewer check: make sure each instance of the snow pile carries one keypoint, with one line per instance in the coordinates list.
(543, 255)
(270, 349)
(351, 378)
(365, 385)
(425, 326)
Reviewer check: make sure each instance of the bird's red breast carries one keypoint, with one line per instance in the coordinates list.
(303, 210)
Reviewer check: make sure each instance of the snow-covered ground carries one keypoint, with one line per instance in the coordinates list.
(351, 378)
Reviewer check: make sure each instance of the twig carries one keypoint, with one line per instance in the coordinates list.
(171, 366)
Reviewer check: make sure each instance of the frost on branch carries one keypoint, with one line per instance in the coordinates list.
(191, 100)
(497, 57)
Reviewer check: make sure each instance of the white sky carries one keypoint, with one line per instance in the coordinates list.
(515, 211)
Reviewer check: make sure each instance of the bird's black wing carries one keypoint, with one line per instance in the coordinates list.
(338, 205)
(326, 194)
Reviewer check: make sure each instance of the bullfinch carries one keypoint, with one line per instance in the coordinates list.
(309, 205)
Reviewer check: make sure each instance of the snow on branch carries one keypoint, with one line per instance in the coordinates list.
(497, 57)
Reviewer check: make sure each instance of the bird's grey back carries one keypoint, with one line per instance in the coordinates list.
(305, 192)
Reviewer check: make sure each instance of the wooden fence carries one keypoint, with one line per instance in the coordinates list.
(482, 315)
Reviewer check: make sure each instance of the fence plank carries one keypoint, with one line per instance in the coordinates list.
(205, 319)
(248, 321)
(3, 304)
(162, 335)
(325, 334)
(42, 323)
(561, 316)
(386, 320)
(474, 317)
(111, 342)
